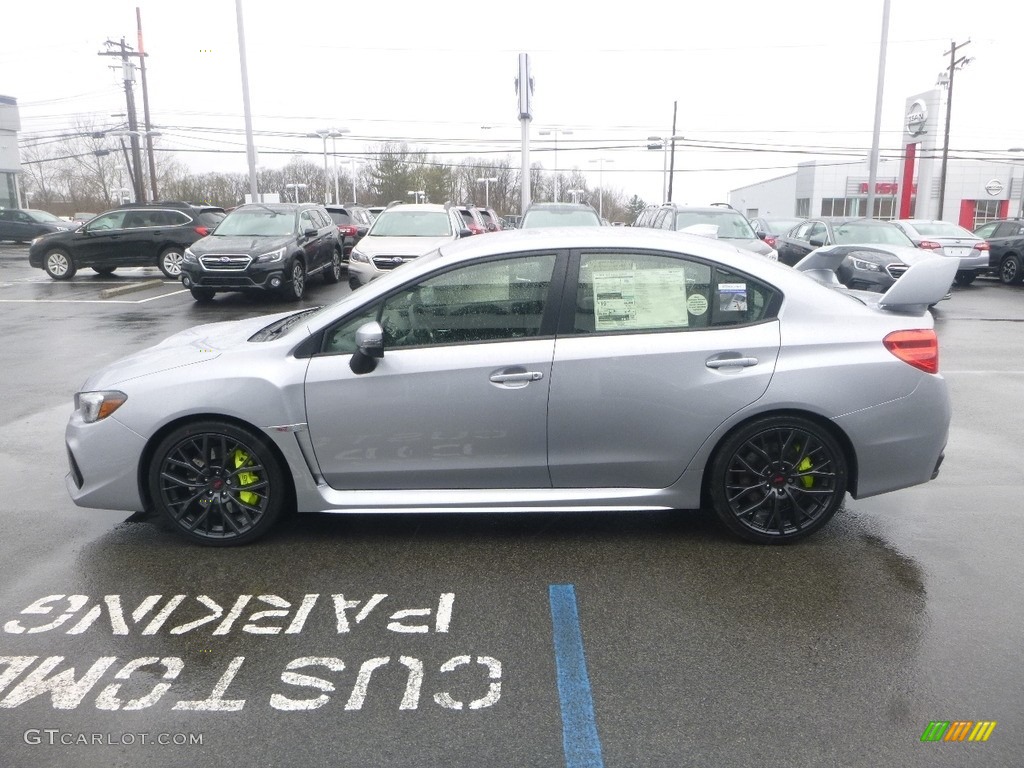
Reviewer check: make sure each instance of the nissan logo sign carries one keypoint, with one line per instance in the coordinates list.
(917, 118)
(994, 187)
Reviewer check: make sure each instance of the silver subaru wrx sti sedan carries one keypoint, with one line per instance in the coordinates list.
(547, 369)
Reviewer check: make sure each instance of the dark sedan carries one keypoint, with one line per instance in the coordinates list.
(875, 253)
(24, 224)
(1005, 248)
(771, 228)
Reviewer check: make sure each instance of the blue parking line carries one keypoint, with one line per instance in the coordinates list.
(579, 729)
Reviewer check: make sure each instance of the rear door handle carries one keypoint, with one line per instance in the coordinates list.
(729, 362)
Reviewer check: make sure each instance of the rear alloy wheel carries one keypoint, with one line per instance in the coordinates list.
(295, 288)
(59, 265)
(170, 262)
(778, 479)
(202, 295)
(965, 278)
(333, 272)
(216, 483)
(104, 270)
(1010, 272)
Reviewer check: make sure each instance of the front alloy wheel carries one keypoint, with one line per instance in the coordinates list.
(295, 288)
(59, 265)
(1010, 272)
(216, 483)
(778, 479)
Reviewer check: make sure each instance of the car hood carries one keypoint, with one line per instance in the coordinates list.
(247, 244)
(400, 246)
(195, 345)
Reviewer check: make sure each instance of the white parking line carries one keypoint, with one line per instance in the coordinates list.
(91, 301)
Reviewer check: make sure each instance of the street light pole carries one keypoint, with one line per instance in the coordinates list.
(954, 65)
(600, 184)
(325, 134)
(487, 189)
(354, 164)
(554, 132)
(575, 194)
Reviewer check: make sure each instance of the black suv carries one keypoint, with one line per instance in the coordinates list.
(137, 235)
(1005, 239)
(265, 247)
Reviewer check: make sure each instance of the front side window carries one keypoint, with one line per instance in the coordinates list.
(495, 301)
(638, 293)
(112, 220)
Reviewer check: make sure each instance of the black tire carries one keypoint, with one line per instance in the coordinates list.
(216, 483)
(295, 287)
(202, 295)
(965, 278)
(59, 265)
(778, 479)
(104, 270)
(1010, 272)
(170, 262)
(333, 272)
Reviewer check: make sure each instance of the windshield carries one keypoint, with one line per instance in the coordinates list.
(573, 217)
(941, 229)
(857, 232)
(411, 224)
(779, 226)
(731, 225)
(258, 222)
(43, 215)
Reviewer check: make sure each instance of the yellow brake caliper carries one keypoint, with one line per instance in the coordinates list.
(803, 466)
(246, 478)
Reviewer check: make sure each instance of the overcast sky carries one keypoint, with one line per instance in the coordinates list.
(777, 82)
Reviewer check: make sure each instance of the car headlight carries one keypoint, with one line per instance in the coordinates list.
(358, 255)
(270, 256)
(190, 257)
(95, 406)
(864, 265)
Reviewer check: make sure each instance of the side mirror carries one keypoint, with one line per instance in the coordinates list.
(465, 232)
(369, 348)
(817, 242)
(761, 235)
(310, 232)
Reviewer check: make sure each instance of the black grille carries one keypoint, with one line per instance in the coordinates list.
(225, 282)
(896, 270)
(76, 473)
(226, 262)
(389, 262)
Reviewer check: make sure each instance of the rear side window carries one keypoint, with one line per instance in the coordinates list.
(654, 292)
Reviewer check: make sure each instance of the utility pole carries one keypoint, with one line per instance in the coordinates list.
(672, 162)
(876, 132)
(954, 65)
(128, 68)
(145, 108)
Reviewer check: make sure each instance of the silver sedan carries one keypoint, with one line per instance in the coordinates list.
(548, 369)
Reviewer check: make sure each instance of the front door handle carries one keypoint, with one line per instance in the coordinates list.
(518, 376)
(729, 362)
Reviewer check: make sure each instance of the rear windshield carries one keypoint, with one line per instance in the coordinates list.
(731, 226)
(340, 218)
(881, 232)
(941, 229)
(556, 218)
(211, 218)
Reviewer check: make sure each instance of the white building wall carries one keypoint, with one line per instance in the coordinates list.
(775, 197)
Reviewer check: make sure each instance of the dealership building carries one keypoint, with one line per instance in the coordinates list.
(976, 191)
(10, 164)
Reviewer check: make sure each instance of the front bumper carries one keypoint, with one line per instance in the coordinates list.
(256, 277)
(104, 458)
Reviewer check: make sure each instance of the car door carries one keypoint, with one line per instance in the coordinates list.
(102, 241)
(459, 399)
(8, 227)
(657, 353)
(797, 244)
(310, 244)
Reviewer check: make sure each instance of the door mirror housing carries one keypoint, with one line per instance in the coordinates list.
(369, 348)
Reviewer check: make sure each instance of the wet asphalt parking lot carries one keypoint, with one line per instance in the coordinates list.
(400, 640)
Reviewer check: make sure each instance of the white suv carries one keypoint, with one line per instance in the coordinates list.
(400, 234)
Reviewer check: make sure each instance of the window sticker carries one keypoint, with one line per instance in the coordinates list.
(732, 297)
(696, 304)
(639, 299)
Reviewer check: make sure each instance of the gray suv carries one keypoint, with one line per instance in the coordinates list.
(713, 221)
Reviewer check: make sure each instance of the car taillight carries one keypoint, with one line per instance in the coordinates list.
(348, 231)
(202, 231)
(919, 348)
(770, 239)
(982, 246)
(930, 245)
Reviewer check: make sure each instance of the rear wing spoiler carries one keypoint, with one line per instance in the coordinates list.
(924, 284)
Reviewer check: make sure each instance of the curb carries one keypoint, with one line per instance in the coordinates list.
(108, 293)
